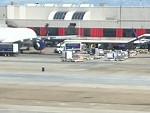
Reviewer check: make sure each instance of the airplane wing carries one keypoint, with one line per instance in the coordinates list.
(140, 39)
(58, 37)
(102, 40)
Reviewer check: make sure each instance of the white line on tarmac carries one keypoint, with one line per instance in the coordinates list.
(38, 109)
(84, 85)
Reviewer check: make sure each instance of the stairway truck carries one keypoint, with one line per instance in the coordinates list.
(9, 49)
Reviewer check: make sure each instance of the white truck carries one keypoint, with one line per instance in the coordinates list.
(9, 49)
(68, 46)
(60, 48)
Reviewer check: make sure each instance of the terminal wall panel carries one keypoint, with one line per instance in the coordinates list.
(70, 31)
(148, 31)
(140, 31)
(135, 13)
(96, 32)
(99, 24)
(84, 24)
(104, 13)
(119, 32)
(109, 32)
(10, 12)
(96, 13)
(22, 12)
(37, 13)
(52, 31)
(128, 33)
(93, 32)
(80, 32)
(43, 31)
(61, 31)
(87, 16)
(86, 32)
(16, 12)
(60, 23)
(135, 24)
(101, 32)
(97, 16)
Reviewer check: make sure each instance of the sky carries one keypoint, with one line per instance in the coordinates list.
(95, 2)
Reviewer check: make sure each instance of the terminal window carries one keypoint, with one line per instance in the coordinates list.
(78, 16)
(60, 15)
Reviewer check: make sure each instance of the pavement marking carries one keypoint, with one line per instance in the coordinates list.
(30, 109)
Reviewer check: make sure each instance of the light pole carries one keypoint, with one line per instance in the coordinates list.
(79, 28)
(120, 12)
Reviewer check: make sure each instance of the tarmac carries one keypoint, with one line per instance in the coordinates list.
(92, 86)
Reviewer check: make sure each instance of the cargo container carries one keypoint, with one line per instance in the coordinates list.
(9, 49)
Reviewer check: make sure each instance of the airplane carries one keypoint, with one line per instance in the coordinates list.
(20, 36)
(26, 37)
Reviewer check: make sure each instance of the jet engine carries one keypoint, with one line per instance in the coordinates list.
(39, 45)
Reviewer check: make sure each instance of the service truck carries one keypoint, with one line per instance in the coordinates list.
(9, 49)
(67, 46)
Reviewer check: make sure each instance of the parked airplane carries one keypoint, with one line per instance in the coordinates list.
(27, 37)
(20, 36)
(16, 34)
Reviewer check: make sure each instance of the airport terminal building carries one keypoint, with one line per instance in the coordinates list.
(78, 19)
